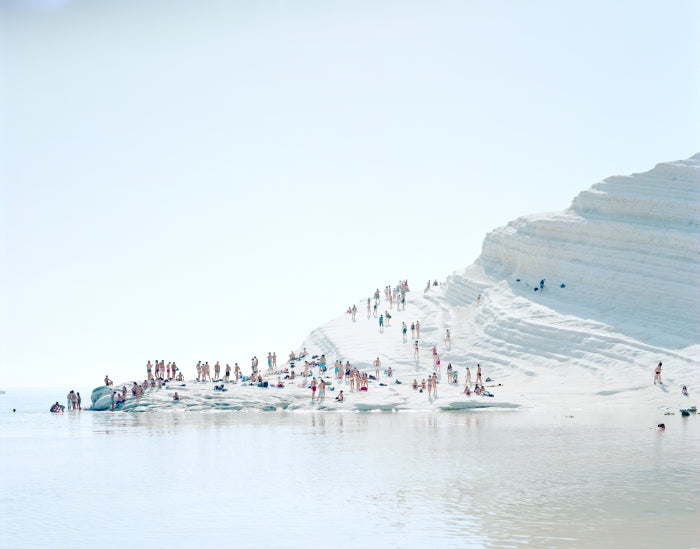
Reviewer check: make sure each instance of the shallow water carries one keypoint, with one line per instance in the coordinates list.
(543, 478)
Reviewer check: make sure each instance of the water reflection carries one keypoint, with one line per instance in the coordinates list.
(450, 479)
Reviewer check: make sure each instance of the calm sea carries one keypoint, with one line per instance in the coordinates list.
(535, 478)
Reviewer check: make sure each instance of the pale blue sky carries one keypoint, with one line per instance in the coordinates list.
(213, 180)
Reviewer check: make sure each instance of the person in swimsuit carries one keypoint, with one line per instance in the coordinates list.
(313, 389)
(340, 397)
(657, 374)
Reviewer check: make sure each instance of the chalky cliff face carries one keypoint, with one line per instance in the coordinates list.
(620, 271)
(627, 252)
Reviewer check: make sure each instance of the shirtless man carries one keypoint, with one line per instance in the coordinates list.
(417, 330)
(108, 381)
(199, 370)
(377, 366)
(274, 360)
(269, 361)
(227, 375)
(149, 370)
(237, 371)
(469, 377)
(217, 371)
(313, 389)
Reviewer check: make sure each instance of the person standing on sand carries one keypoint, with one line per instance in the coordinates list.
(657, 374)
(413, 330)
(404, 329)
(478, 375)
(416, 351)
(469, 377)
(448, 341)
(417, 330)
(321, 391)
(377, 366)
(227, 375)
(237, 371)
(217, 371)
(434, 381)
(381, 324)
(313, 389)
(79, 401)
